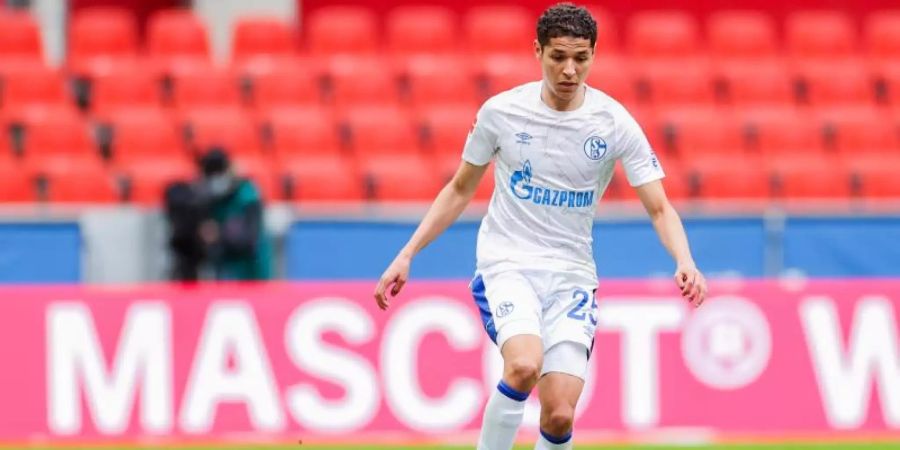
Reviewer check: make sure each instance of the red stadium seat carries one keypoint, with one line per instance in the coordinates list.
(882, 35)
(380, 86)
(126, 87)
(742, 35)
(447, 128)
(607, 30)
(810, 177)
(252, 67)
(441, 80)
(421, 30)
(757, 84)
(730, 177)
(90, 68)
(845, 83)
(784, 131)
(447, 165)
(58, 134)
(174, 67)
(342, 29)
(20, 38)
(14, 124)
(702, 132)
(663, 34)
(675, 183)
(654, 129)
(148, 180)
(176, 39)
(880, 181)
(303, 132)
(144, 136)
(326, 178)
(202, 89)
(862, 131)
(506, 72)
(499, 29)
(402, 178)
(678, 84)
(177, 33)
(614, 77)
(15, 185)
(84, 182)
(894, 116)
(889, 75)
(230, 128)
(28, 85)
(820, 34)
(262, 37)
(285, 86)
(102, 32)
(381, 130)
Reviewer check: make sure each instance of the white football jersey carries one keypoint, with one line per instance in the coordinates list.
(551, 168)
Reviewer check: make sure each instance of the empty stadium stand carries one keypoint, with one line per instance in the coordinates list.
(356, 105)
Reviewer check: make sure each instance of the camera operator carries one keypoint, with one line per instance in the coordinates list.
(232, 231)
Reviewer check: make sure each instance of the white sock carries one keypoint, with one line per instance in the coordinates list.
(547, 442)
(502, 417)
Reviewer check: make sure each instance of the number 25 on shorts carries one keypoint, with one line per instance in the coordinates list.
(578, 311)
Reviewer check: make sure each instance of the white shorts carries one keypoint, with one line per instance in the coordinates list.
(556, 306)
(566, 357)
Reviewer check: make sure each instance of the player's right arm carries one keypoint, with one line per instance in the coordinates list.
(445, 209)
(449, 203)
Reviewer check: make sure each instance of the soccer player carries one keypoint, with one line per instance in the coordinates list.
(554, 144)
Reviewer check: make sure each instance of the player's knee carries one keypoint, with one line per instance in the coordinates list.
(522, 373)
(558, 421)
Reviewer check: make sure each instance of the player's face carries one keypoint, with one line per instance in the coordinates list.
(565, 62)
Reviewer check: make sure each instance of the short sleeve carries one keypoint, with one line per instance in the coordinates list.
(482, 138)
(638, 159)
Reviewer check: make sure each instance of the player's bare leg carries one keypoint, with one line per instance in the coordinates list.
(564, 369)
(522, 358)
(559, 394)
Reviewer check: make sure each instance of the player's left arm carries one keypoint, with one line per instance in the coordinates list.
(671, 233)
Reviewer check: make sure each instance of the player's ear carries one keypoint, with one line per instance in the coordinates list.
(537, 49)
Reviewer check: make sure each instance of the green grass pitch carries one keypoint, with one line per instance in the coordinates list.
(772, 446)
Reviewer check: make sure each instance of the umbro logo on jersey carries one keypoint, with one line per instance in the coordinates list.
(523, 138)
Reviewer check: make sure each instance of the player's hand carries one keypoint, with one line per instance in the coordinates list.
(692, 283)
(394, 277)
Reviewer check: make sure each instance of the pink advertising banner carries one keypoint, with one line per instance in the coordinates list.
(320, 361)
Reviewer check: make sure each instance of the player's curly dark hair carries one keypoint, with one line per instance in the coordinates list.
(566, 19)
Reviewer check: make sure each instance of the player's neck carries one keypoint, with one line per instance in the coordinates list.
(560, 104)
